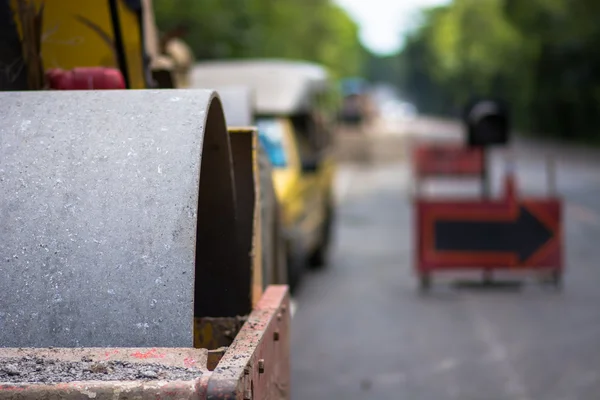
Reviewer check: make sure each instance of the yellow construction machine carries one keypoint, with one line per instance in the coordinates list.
(59, 34)
(146, 255)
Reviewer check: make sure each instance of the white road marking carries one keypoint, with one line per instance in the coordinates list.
(390, 378)
(343, 182)
(445, 365)
(583, 214)
(499, 353)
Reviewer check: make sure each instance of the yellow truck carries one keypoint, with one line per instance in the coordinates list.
(294, 109)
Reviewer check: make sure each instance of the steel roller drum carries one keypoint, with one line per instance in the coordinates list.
(117, 218)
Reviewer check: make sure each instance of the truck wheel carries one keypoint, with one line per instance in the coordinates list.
(318, 258)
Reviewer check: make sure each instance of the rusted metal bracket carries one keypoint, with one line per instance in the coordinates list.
(255, 366)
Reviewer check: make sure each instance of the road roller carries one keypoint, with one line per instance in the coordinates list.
(116, 45)
(128, 255)
(132, 249)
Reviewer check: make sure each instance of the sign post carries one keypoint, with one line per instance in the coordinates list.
(487, 125)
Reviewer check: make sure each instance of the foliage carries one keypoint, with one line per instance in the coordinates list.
(313, 30)
(540, 55)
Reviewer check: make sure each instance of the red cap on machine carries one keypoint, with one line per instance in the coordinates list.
(85, 78)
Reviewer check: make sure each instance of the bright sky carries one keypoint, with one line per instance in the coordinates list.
(384, 22)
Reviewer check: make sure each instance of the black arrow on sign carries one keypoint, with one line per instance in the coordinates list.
(523, 236)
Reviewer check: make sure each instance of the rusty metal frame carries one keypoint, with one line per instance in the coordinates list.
(255, 366)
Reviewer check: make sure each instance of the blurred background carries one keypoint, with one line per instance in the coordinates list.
(541, 55)
(360, 331)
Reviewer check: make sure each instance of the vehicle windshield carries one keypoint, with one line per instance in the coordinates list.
(270, 133)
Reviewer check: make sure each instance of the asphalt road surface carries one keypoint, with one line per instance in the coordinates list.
(361, 329)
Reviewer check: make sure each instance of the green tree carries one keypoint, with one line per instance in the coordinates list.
(565, 99)
(541, 55)
(313, 30)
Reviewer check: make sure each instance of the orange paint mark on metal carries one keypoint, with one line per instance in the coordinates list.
(109, 354)
(189, 362)
(148, 354)
(10, 387)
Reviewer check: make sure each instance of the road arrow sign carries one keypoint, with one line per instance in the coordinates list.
(489, 234)
(435, 159)
(523, 236)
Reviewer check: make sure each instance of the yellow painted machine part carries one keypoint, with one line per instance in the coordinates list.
(257, 278)
(67, 42)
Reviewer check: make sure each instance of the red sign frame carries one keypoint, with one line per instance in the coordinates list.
(452, 159)
(547, 211)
